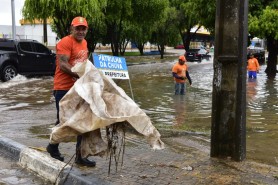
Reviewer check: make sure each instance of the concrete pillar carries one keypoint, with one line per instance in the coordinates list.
(228, 132)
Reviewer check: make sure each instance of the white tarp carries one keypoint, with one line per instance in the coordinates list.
(94, 102)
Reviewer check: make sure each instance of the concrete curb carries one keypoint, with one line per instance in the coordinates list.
(51, 169)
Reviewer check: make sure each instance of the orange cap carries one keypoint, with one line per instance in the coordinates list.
(79, 21)
(182, 58)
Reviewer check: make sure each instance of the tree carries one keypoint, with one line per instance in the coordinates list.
(96, 33)
(140, 34)
(115, 14)
(166, 31)
(263, 22)
(125, 37)
(117, 22)
(145, 16)
(62, 12)
(123, 16)
(206, 10)
(193, 13)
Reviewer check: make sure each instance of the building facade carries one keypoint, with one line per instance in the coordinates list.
(29, 31)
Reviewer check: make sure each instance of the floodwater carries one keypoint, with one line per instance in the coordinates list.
(153, 89)
(152, 86)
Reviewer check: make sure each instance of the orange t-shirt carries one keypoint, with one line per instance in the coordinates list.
(180, 70)
(77, 51)
(253, 64)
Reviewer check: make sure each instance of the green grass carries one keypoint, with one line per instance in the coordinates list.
(132, 53)
(126, 53)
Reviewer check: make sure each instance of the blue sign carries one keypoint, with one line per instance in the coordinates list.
(114, 67)
(109, 62)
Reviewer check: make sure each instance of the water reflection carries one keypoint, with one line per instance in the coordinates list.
(262, 122)
(179, 105)
(251, 89)
(153, 89)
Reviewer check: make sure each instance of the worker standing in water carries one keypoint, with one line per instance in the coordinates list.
(181, 74)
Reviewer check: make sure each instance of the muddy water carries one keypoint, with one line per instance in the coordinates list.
(22, 101)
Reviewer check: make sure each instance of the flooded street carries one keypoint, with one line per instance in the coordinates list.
(26, 104)
(153, 89)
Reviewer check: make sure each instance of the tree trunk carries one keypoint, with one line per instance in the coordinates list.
(91, 40)
(114, 42)
(140, 48)
(187, 40)
(161, 50)
(272, 46)
(115, 48)
(113, 33)
(123, 46)
(186, 37)
(45, 31)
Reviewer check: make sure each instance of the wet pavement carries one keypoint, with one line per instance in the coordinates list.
(185, 160)
(12, 173)
(27, 113)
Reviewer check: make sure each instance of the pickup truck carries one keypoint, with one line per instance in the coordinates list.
(25, 57)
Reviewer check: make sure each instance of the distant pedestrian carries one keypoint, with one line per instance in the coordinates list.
(253, 67)
(180, 74)
(70, 50)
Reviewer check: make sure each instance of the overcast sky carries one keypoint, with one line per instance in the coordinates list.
(6, 11)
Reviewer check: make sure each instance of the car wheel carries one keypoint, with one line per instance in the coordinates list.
(8, 73)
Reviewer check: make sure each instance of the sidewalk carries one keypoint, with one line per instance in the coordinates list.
(185, 160)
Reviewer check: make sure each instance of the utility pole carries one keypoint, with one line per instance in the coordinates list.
(13, 20)
(228, 131)
(45, 31)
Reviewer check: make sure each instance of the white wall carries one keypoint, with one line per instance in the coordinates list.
(6, 31)
(34, 32)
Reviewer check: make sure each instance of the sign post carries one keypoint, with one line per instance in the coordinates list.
(113, 67)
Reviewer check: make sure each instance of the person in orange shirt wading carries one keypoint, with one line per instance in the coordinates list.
(253, 67)
(69, 51)
(180, 74)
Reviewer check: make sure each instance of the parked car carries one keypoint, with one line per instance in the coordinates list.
(25, 57)
(197, 55)
(258, 52)
(180, 46)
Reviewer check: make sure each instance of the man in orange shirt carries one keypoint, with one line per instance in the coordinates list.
(180, 74)
(69, 51)
(253, 67)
